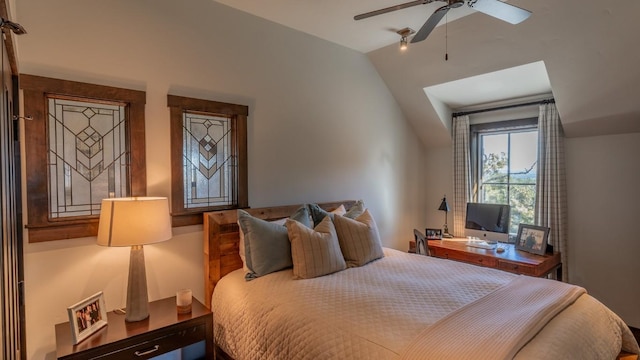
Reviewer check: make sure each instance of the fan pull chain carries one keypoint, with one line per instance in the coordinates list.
(446, 37)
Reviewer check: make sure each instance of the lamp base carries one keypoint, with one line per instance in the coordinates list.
(137, 297)
(445, 232)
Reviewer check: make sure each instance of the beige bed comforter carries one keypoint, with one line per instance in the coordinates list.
(376, 311)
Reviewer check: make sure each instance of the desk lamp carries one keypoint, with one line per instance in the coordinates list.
(135, 222)
(444, 206)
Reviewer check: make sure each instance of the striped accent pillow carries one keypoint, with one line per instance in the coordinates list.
(315, 252)
(359, 239)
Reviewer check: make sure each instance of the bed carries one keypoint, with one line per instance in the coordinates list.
(400, 306)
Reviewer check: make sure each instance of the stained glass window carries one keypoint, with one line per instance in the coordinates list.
(208, 161)
(208, 157)
(86, 142)
(87, 156)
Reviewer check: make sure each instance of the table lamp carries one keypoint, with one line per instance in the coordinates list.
(135, 221)
(444, 206)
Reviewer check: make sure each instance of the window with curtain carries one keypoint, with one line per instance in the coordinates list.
(505, 165)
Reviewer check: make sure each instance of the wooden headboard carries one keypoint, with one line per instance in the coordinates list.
(221, 239)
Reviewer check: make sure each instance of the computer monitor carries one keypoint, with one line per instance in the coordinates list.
(489, 222)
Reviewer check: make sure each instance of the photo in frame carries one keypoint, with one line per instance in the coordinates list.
(532, 238)
(87, 316)
(433, 234)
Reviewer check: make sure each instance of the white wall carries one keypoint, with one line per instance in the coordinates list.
(439, 181)
(603, 183)
(322, 126)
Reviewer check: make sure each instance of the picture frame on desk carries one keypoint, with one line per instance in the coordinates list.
(87, 316)
(532, 238)
(433, 234)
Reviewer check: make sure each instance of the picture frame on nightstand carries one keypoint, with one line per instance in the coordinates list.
(87, 316)
(532, 238)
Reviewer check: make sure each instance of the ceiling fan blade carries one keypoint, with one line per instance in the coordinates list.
(500, 10)
(430, 24)
(391, 8)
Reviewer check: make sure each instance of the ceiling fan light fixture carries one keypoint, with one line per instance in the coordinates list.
(404, 33)
(495, 8)
(403, 43)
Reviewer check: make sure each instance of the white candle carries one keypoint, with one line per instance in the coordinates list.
(183, 301)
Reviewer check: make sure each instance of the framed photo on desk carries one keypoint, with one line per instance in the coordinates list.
(532, 238)
(433, 234)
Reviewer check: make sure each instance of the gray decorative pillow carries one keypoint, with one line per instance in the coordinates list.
(266, 245)
(359, 239)
(356, 210)
(317, 213)
(241, 250)
(315, 252)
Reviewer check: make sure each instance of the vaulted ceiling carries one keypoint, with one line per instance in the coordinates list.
(589, 50)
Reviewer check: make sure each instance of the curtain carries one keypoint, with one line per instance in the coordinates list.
(551, 194)
(12, 339)
(461, 173)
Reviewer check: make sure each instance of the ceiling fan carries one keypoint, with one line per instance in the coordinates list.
(498, 9)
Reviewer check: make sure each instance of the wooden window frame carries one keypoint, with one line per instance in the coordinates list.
(182, 216)
(507, 127)
(36, 89)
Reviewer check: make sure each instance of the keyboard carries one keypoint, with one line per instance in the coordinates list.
(481, 244)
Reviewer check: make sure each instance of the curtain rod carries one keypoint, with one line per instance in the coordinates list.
(547, 101)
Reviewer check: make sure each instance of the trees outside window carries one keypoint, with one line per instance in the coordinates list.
(506, 170)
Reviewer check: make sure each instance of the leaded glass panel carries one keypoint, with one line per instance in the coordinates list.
(87, 154)
(208, 161)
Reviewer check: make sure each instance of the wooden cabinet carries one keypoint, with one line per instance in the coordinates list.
(512, 260)
(164, 331)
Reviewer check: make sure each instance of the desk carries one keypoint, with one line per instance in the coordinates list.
(512, 260)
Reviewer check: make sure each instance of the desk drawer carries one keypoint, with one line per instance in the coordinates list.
(470, 258)
(517, 268)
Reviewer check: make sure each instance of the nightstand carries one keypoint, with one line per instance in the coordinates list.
(163, 331)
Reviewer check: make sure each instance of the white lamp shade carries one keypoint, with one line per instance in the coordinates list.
(134, 221)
